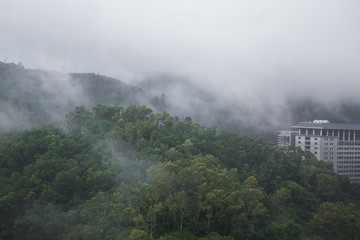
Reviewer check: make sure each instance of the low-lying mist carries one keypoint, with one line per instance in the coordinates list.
(39, 97)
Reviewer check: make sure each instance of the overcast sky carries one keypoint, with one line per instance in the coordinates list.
(241, 48)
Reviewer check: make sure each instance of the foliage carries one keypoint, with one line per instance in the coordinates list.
(118, 173)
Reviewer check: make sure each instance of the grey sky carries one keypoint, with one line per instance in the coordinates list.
(240, 48)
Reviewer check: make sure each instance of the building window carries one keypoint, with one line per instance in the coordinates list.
(341, 132)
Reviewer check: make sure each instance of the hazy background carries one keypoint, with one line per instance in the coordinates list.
(259, 54)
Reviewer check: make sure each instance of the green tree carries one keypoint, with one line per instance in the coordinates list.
(328, 186)
(78, 121)
(335, 221)
(137, 234)
(329, 221)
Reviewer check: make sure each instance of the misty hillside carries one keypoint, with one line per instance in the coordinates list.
(100, 89)
(310, 109)
(36, 97)
(31, 98)
(210, 107)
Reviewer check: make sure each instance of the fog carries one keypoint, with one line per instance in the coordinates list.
(256, 54)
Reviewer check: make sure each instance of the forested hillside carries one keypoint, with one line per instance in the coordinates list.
(130, 173)
(32, 98)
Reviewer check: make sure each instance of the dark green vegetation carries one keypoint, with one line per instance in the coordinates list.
(132, 174)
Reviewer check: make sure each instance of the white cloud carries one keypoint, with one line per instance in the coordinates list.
(240, 48)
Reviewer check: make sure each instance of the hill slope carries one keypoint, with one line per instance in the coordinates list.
(36, 97)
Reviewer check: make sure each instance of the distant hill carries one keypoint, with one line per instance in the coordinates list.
(100, 89)
(30, 98)
(309, 109)
(209, 107)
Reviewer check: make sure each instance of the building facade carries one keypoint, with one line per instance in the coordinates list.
(286, 138)
(335, 142)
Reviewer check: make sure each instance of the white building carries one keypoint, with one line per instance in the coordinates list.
(335, 142)
(286, 138)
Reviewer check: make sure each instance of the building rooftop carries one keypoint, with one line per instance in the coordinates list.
(342, 126)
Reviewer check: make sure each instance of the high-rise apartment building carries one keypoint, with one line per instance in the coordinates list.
(335, 142)
(286, 138)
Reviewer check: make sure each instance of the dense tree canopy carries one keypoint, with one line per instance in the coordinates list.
(117, 173)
